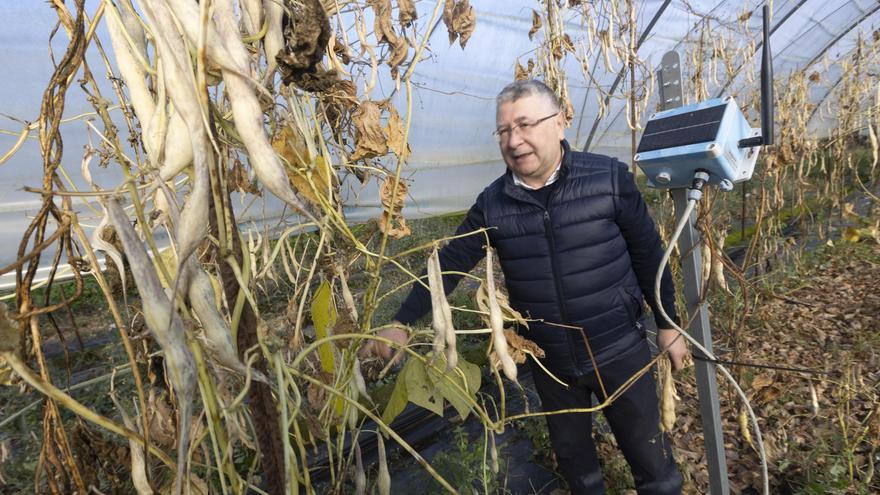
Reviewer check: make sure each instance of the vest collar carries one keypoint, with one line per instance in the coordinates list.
(516, 192)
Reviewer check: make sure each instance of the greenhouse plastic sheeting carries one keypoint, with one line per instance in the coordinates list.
(453, 153)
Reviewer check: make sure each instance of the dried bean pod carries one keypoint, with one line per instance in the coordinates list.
(438, 318)
(493, 452)
(444, 328)
(496, 321)
(158, 311)
(448, 328)
(384, 481)
(359, 381)
(251, 16)
(138, 468)
(131, 70)
(274, 40)
(218, 336)
(225, 49)
(180, 83)
(360, 477)
(667, 393)
(743, 420)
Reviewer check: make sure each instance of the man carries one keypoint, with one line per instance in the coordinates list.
(578, 251)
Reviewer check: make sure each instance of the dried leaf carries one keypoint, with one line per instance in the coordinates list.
(761, 381)
(395, 131)
(316, 394)
(338, 102)
(238, 180)
(384, 32)
(460, 21)
(509, 313)
(406, 12)
(306, 36)
(8, 340)
(391, 209)
(536, 24)
(521, 72)
(310, 177)
(369, 136)
(519, 348)
(160, 416)
(567, 44)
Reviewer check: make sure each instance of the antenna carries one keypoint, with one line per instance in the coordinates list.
(767, 94)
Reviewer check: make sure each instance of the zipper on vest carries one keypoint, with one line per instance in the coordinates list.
(557, 280)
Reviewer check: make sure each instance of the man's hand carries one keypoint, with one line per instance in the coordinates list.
(669, 339)
(396, 333)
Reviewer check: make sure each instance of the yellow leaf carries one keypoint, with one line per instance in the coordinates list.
(851, 234)
(169, 260)
(324, 317)
(310, 177)
(5, 373)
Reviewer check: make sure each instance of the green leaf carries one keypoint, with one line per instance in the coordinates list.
(420, 390)
(324, 315)
(450, 383)
(397, 402)
(428, 387)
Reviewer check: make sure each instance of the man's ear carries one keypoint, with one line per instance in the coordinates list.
(559, 122)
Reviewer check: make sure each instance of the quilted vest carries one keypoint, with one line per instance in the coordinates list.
(567, 265)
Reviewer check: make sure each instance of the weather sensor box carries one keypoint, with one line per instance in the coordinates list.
(702, 136)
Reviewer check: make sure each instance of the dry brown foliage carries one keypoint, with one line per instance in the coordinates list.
(306, 34)
(392, 221)
(519, 348)
(460, 20)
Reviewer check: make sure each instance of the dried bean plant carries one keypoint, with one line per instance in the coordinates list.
(275, 98)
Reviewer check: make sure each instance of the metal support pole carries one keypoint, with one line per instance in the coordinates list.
(691, 270)
(707, 386)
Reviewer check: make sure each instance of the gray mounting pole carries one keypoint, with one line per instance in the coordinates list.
(691, 270)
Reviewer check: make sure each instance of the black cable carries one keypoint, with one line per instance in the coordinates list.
(757, 365)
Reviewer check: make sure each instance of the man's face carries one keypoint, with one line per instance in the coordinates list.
(530, 151)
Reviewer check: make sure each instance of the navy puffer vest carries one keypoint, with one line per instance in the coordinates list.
(568, 264)
(579, 266)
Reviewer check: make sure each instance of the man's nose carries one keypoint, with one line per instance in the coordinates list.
(515, 138)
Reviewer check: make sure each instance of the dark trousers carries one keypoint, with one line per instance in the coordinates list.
(634, 418)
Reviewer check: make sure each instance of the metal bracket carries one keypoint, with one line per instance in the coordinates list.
(669, 77)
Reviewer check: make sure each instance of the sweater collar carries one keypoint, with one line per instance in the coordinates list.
(516, 189)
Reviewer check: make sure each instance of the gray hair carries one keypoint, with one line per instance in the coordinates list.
(524, 88)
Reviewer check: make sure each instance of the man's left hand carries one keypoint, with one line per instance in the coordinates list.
(669, 339)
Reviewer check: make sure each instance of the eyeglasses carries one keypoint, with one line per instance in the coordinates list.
(504, 133)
